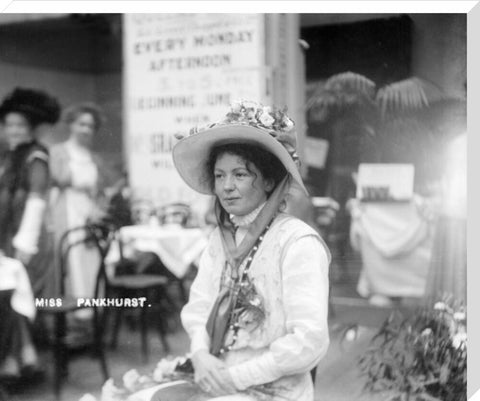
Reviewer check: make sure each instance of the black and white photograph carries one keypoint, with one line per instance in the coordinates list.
(228, 206)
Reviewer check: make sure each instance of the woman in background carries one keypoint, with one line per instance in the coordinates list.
(24, 184)
(76, 178)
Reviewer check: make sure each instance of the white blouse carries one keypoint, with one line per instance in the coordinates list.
(290, 272)
(83, 169)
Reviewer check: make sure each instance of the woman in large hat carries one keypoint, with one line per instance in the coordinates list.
(257, 312)
(24, 182)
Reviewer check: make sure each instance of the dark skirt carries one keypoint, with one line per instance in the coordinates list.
(42, 269)
(16, 347)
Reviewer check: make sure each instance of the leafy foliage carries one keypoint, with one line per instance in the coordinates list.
(419, 358)
(408, 121)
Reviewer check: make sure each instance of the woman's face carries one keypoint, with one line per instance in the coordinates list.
(17, 129)
(82, 129)
(239, 190)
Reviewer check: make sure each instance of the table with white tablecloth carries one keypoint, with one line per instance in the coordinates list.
(176, 246)
(17, 310)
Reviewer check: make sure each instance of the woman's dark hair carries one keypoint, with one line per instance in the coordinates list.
(36, 106)
(268, 164)
(75, 111)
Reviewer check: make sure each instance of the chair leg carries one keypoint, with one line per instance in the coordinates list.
(162, 332)
(99, 346)
(61, 368)
(143, 329)
(162, 293)
(116, 327)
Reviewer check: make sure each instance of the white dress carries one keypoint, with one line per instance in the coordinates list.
(290, 272)
(72, 205)
(81, 206)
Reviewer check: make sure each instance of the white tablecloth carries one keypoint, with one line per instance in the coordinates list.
(14, 276)
(177, 247)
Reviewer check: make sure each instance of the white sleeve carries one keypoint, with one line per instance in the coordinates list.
(22, 300)
(305, 299)
(195, 313)
(26, 239)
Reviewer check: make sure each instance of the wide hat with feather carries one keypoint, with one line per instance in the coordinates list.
(247, 123)
(37, 106)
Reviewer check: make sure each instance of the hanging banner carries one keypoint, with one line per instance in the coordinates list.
(182, 70)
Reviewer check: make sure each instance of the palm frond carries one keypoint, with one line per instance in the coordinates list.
(350, 82)
(343, 87)
(409, 94)
(340, 92)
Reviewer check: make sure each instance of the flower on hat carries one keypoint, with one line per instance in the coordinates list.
(248, 104)
(236, 106)
(288, 124)
(258, 115)
(254, 114)
(271, 120)
(266, 119)
(251, 115)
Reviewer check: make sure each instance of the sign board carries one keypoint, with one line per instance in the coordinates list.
(385, 182)
(183, 70)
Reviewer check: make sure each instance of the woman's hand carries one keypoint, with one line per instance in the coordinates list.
(212, 375)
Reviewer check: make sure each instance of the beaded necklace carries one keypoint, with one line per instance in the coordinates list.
(242, 282)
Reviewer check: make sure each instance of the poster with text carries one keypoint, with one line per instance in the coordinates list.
(183, 70)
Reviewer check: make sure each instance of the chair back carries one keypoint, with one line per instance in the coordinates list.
(178, 213)
(96, 236)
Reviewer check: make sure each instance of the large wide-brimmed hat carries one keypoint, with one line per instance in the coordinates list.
(37, 106)
(246, 123)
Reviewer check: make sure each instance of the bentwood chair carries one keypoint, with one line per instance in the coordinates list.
(131, 283)
(181, 214)
(177, 212)
(67, 343)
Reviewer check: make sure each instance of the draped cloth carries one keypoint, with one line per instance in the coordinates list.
(395, 242)
(218, 320)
